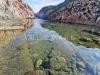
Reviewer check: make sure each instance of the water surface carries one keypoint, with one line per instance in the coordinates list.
(14, 62)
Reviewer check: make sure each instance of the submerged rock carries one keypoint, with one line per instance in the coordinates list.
(57, 63)
(38, 63)
(97, 40)
(36, 72)
(86, 39)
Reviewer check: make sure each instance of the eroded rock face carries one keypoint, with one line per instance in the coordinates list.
(76, 11)
(15, 9)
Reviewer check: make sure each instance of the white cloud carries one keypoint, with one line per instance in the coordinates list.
(38, 4)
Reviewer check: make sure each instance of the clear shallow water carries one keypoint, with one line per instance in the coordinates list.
(37, 32)
(89, 56)
(46, 34)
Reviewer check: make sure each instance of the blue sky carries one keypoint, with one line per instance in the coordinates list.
(38, 4)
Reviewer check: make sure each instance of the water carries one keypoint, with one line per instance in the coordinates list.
(89, 56)
(47, 34)
(9, 58)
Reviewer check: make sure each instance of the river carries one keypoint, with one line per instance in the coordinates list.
(89, 56)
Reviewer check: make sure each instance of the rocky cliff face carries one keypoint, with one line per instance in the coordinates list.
(76, 11)
(10, 9)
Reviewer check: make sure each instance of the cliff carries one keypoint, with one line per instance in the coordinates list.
(76, 11)
(12, 9)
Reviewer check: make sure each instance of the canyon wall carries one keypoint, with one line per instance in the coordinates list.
(10, 9)
(75, 11)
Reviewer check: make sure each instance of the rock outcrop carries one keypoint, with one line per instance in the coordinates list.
(12, 9)
(76, 11)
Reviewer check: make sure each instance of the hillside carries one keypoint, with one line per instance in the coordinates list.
(75, 11)
(12, 9)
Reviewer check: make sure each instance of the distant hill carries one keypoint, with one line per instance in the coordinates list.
(74, 11)
(44, 13)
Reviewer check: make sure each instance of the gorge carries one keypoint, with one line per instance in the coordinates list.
(39, 50)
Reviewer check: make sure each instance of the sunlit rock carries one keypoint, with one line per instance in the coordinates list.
(15, 9)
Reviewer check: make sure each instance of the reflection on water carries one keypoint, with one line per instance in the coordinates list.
(7, 36)
(8, 56)
(10, 59)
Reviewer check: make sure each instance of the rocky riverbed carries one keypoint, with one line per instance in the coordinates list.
(39, 51)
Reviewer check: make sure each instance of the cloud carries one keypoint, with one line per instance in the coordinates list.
(38, 4)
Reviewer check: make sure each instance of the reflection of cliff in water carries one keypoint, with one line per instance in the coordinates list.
(10, 28)
(7, 36)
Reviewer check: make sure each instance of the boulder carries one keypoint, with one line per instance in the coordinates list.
(57, 63)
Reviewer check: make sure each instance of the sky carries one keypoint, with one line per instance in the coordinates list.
(38, 4)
